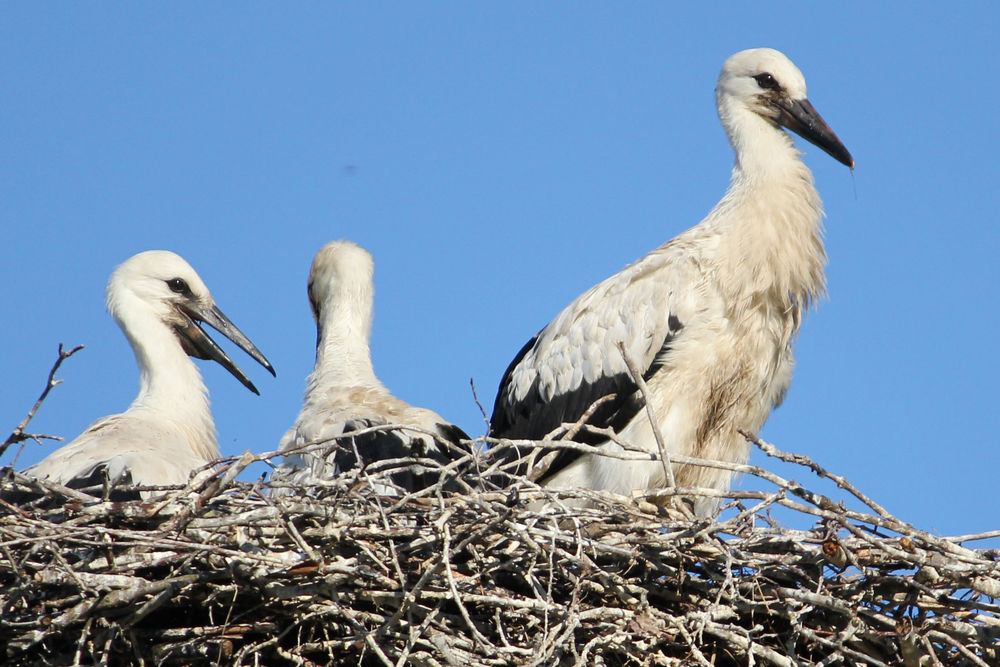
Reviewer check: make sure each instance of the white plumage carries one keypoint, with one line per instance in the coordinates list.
(157, 299)
(709, 317)
(344, 396)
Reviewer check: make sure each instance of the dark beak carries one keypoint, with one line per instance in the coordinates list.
(198, 344)
(801, 117)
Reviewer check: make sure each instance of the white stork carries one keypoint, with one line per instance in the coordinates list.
(344, 396)
(158, 300)
(708, 318)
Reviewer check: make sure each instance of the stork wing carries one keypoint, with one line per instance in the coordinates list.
(575, 359)
(338, 414)
(126, 449)
(442, 445)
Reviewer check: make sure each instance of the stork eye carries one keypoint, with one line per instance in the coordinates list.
(767, 81)
(178, 285)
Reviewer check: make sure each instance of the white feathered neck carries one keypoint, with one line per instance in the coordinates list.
(342, 295)
(768, 226)
(170, 384)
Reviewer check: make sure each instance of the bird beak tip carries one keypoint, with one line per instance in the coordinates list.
(206, 348)
(801, 117)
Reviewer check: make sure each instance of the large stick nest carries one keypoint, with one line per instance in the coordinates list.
(237, 573)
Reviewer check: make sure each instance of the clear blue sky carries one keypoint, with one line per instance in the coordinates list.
(498, 159)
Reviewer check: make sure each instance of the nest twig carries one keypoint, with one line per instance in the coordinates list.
(228, 571)
(18, 434)
(471, 572)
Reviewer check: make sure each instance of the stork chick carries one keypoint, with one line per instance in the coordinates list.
(158, 300)
(709, 318)
(343, 395)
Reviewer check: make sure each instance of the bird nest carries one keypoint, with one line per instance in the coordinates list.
(463, 573)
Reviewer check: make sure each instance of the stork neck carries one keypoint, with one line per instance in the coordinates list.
(769, 223)
(169, 382)
(342, 349)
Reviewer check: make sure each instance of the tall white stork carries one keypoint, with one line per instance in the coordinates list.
(343, 395)
(158, 300)
(708, 318)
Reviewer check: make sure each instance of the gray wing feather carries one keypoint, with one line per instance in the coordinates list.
(575, 359)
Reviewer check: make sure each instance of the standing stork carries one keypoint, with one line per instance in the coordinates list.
(708, 318)
(158, 300)
(343, 395)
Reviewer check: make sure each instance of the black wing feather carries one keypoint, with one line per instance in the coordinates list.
(531, 418)
(395, 444)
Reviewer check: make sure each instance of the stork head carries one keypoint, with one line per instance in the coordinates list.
(159, 286)
(767, 83)
(341, 274)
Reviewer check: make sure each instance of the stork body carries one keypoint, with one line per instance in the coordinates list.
(709, 317)
(343, 395)
(157, 299)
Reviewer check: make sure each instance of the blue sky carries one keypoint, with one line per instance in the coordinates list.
(498, 159)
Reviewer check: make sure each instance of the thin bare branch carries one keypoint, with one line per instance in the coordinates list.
(18, 434)
(654, 423)
(229, 572)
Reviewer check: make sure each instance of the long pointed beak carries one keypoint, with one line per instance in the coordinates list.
(801, 117)
(199, 344)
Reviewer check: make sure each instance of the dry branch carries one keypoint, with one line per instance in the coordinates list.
(226, 571)
(18, 434)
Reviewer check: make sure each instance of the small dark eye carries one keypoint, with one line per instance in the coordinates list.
(178, 285)
(767, 81)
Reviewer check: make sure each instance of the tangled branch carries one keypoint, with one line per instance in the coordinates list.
(18, 434)
(227, 571)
